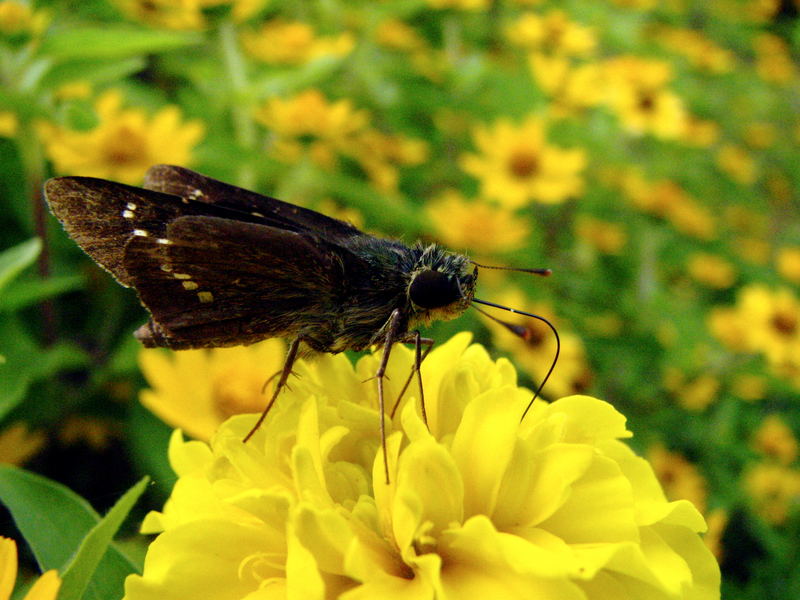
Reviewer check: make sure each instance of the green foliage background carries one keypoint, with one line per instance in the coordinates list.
(65, 326)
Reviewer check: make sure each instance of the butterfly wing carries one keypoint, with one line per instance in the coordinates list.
(219, 282)
(210, 274)
(196, 187)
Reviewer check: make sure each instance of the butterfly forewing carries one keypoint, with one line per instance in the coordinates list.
(196, 187)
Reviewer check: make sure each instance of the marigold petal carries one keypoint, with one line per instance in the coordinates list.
(8, 566)
(46, 587)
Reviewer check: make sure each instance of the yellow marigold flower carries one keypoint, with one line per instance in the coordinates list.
(379, 154)
(680, 479)
(308, 124)
(694, 394)
(197, 390)
(749, 387)
(700, 132)
(711, 270)
(554, 507)
(701, 52)
(18, 18)
(478, 225)
(717, 521)
(728, 327)
(788, 263)
(738, 164)
(775, 439)
(636, 90)
(552, 33)
(774, 322)
(18, 444)
(606, 237)
(760, 135)
(773, 489)
(666, 199)
(773, 59)
(516, 165)
(459, 4)
(571, 87)
(124, 144)
(45, 588)
(291, 43)
(183, 14)
(8, 124)
(394, 33)
(74, 90)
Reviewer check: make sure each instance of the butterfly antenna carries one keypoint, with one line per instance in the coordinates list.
(525, 334)
(542, 272)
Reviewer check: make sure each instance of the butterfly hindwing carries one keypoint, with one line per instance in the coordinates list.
(213, 281)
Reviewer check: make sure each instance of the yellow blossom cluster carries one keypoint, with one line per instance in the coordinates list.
(478, 504)
(701, 52)
(281, 42)
(667, 200)
(18, 18)
(184, 14)
(308, 125)
(766, 322)
(125, 142)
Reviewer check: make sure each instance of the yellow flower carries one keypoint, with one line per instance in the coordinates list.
(459, 4)
(478, 225)
(552, 33)
(8, 124)
(394, 33)
(291, 43)
(184, 14)
(125, 142)
(680, 479)
(773, 489)
(308, 124)
(700, 51)
(18, 18)
(773, 59)
(694, 394)
(775, 439)
(636, 89)
(571, 87)
(197, 390)
(516, 165)
(554, 507)
(700, 132)
(717, 521)
(788, 263)
(749, 387)
(18, 444)
(45, 588)
(738, 164)
(606, 237)
(711, 270)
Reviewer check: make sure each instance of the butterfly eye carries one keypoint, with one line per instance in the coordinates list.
(433, 289)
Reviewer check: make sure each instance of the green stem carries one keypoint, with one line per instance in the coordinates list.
(241, 107)
(32, 158)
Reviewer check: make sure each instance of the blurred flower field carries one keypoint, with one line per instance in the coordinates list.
(646, 152)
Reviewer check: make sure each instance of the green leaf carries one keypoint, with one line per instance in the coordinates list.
(77, 575)
(113, 42)
(22, 361)
(92, 70)
(24, 293)
(15, 259)
(54, 521)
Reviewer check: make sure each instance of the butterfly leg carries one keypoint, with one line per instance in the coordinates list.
(291, 356)
(392, 335)
(419, 356)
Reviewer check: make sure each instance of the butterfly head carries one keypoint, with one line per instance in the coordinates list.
(442, 285)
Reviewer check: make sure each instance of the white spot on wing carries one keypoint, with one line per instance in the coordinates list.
(205, 297)
(130, 206)
(189, 285)
(181, 276)
(140, 232)
(128, 214)
(164, 241)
